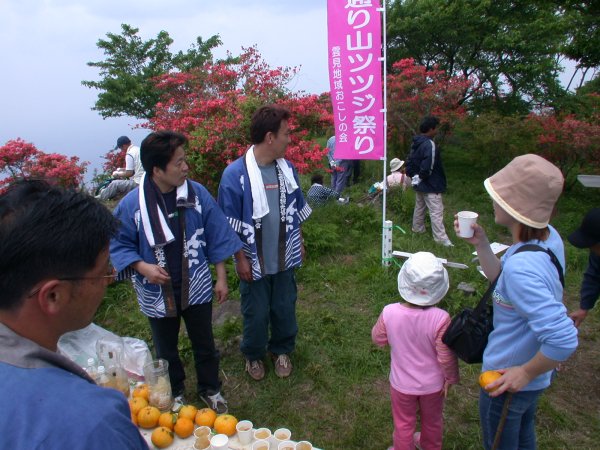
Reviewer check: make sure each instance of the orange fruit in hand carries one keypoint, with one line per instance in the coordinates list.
(141, 390)
(137, 403)
(148, 417)
(205, 416)
(188, 411)
(184, 427)
(167, 420)
(488, 377)
(225, 424)
(162, 437)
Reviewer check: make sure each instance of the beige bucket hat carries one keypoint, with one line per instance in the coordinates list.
(396, 164)
(527, 188)
(423, 280)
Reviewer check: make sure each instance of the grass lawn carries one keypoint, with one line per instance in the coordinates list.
(338, 394)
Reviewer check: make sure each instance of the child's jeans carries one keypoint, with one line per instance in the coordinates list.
(404, 411)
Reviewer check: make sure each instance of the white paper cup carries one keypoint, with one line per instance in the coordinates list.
(261, 444)
(286, 445)
(465, 220)
(219, 442)
(280, 435)
(262, 434)
(304, 445)
(244, 431)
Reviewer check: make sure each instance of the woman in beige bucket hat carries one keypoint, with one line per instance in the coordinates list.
(532, 332)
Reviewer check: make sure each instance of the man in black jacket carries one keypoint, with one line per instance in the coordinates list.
(428, 180)
(588, 236)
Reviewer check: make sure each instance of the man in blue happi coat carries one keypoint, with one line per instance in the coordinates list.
(261, 197)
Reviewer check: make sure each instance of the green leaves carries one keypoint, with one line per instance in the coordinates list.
(127, 75)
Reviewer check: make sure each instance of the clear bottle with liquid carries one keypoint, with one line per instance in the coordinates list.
(103, 379)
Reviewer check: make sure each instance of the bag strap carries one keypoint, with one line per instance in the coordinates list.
(486, 296)
(553, 258)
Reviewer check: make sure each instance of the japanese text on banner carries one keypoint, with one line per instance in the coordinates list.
(354, 43)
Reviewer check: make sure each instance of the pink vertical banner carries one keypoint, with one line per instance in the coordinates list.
(354, 45)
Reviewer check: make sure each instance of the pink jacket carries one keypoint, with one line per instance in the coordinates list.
(421, 362)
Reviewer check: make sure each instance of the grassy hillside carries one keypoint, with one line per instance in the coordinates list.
(338, 395)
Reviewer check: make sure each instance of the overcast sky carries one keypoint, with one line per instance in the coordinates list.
(45, 45)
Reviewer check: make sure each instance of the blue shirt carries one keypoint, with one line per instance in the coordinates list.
(529, 315)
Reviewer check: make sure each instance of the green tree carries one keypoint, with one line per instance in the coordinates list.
(509, 49)
(583, 45)
(126, 75)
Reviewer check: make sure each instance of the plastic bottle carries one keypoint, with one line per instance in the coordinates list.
(102, 377)
(91, 369)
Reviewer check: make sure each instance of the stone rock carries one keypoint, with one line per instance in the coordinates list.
(466, 288)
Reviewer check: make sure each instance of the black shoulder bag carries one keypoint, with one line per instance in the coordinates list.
(467, 334)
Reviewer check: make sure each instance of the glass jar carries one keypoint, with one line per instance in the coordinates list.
(156, 375)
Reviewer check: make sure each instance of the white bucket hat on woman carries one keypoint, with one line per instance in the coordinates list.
(423, 280)
(396, 164)
(527, 188)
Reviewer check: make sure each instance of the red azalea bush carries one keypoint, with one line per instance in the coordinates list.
(414, 92)
(20, 159)
(213, 105)
(568, 142)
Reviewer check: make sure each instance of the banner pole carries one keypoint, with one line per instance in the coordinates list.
(384, 62)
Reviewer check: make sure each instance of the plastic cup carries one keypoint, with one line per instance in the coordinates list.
(219, 442)
(244, 431)
(202, 443)
(304, 445)
(202, 431)
(280, 435)
(262, 434)
(261, 444)
(286, 445)
(465, 220)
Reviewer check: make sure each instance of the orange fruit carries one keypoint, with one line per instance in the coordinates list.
(487, 377)
(225, 424)
(134, 419)
(137, 403)
(162, 437)
(205, 416)
(167, 420)
(184, 427)
(141, 390)
(188, 411)
(148, 417)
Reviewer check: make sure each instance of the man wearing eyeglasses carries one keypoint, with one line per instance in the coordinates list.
(54, 263)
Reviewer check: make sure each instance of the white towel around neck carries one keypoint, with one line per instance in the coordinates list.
(182, 193)
(260, 206)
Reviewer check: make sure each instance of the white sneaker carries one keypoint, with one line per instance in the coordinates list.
(446, 243)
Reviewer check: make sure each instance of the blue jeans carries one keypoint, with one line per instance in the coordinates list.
(270, 301)
(519, 428)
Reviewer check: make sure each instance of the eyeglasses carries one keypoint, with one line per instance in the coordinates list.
(112, 273)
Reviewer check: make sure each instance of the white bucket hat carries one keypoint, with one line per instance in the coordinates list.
(423, 280)
(396, 164)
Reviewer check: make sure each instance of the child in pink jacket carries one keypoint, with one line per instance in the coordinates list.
(422, 367)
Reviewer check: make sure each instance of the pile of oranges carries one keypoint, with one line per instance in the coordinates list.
(169, 424)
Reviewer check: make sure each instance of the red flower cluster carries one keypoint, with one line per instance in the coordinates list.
(213, 105)
(20, 159)
(567, 141)
(415, 91)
